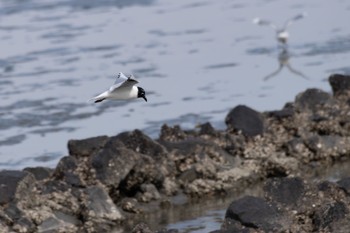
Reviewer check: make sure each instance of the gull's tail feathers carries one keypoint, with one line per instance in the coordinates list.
(99, 98)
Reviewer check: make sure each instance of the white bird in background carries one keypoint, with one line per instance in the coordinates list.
(124, 88)
(281, 33)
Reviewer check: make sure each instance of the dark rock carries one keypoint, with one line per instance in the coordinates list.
(147, 193)
(141, 143)
(254, 212)
(100, 207)
(66, 163)
(193, 149)
(207, 129)
(66, 171)
(86, 147)
(326, 186)
(311, 99)
(168, 231)
(245, 119)
(39, 173)
(12, 211)
(274, 169)
(295, 146)
(287, 111)
(52, 186)
(146, 170)
(326, 144)
(232, 225)
(141, 228)
(171, 134)
(345, 184)
(286, 191)
(244, 230)
(318, 118)
(113, 163)
(329, 214)
(15, 185)
(59, 222)
(130, 205)
(340, 83)
(189, 175)
(23, 224)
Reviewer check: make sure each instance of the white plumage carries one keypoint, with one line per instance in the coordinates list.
(124, 88)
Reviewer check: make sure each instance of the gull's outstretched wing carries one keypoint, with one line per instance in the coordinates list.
(263, 22)
(295, 18)
(120, 78)
(127, 82)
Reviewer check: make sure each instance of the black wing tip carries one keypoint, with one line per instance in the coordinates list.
(100, 100)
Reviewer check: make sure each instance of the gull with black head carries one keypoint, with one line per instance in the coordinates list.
(124, 88)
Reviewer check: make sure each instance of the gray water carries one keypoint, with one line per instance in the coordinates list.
(196, 59)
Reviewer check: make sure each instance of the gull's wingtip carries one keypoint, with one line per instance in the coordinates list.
(120, 74)
(132, 78)
(256, 20)
(90, 100)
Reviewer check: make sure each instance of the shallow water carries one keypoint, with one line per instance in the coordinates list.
(196, 59)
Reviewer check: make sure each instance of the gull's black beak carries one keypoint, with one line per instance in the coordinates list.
(144, 97)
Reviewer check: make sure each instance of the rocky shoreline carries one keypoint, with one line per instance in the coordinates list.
(106, 182)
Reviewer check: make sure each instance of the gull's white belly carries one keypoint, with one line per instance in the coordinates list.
(124, 93)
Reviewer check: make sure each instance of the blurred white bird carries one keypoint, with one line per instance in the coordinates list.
(281, 33)
(124, 88)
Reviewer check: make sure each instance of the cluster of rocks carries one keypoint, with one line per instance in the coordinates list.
(106, 181)
(292, 205)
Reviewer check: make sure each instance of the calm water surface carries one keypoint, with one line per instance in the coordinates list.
(196, 59)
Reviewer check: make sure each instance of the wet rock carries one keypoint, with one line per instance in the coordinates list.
(287, 191)
(141, 228)
(345, 184)
(113, 163)
(100, 207)
(231, 225)
(145, 171)
(147, 193)
(326, 145)
(246, 120)
(170, 186)
(187, 152)
(130, 205)
(171, 134)
(12, 212)
(311, 99)
(24, 224)
(328, 215)
(86, 147)
(287, 111)
(340, 83)
(15, 185)
(14, 217)
(53, 186)
(168, 231)
(40, 173)
(207, 129)
(189, 175)
(59, 222)
(255, 212)
(66, 171)
(141, 143)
